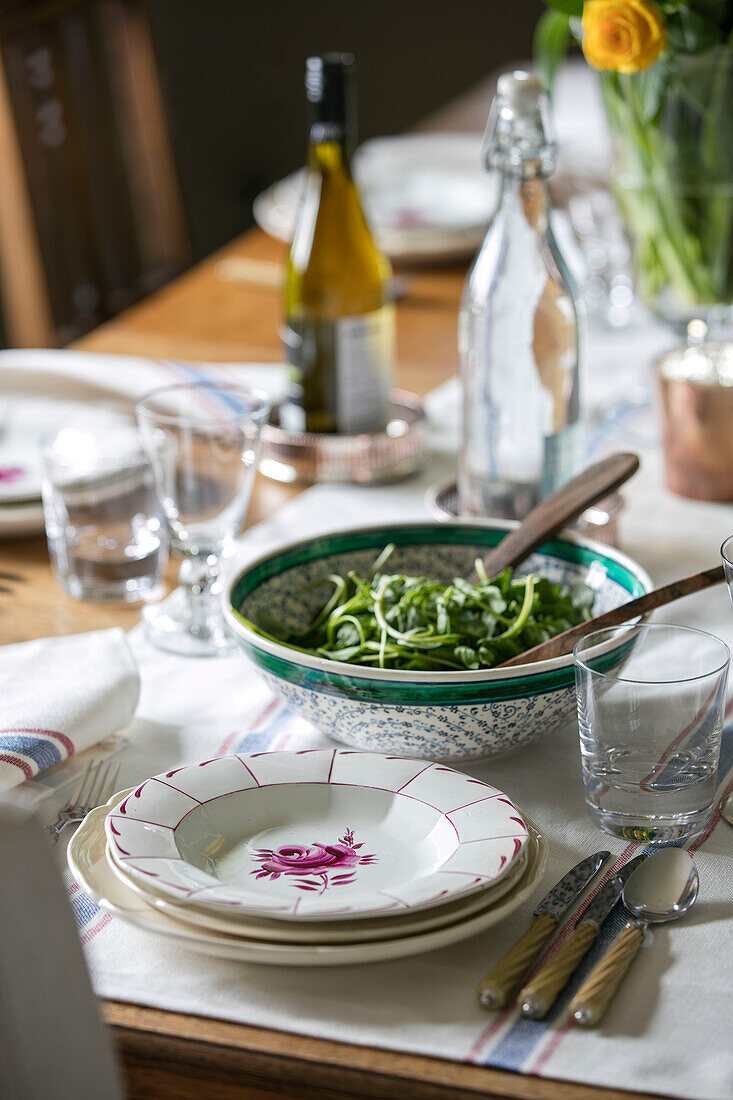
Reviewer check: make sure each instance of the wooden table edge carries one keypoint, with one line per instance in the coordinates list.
(240, 1058)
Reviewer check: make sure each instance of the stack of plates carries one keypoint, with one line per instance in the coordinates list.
(319, 857)
(21, 426)
(24, 421)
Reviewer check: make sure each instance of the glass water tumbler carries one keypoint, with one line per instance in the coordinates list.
(651, 700)
(106, 539)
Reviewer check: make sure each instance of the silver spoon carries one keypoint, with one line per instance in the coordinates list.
(661, 889)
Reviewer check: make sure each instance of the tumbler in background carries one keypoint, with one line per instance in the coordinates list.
(105, 537)
(650, 728)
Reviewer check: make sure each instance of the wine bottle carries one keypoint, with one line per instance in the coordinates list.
(340, 326)
(518, 326)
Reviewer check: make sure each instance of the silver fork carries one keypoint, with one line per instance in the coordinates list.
(95, 787)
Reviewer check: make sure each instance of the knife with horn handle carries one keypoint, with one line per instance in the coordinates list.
(501, 981)
(596, 992)
(540, 993)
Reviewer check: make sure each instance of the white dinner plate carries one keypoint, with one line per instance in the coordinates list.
(427, 196)
(24, 421)
(342, 931)
(18, 520)
(89, 865)
(321, 834)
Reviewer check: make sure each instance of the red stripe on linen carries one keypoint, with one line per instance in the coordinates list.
(713, 822)
(6, 758)
(231, 738)
(96, 928)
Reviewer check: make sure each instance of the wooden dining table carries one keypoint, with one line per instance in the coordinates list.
(207, 315)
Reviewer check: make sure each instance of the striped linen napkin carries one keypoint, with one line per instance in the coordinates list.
(58, 696)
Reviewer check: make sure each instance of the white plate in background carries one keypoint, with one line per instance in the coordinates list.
(427, 196)
(40, 386)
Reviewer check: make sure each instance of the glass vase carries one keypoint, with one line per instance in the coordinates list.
(673, 179)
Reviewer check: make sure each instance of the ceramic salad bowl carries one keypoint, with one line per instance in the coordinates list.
(432, 715)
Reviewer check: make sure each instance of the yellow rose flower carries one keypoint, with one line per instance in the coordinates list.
(623, 35)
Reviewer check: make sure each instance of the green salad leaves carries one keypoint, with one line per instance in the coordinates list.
(389, 620)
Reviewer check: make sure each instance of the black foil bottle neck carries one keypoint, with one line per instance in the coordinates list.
(330, 91)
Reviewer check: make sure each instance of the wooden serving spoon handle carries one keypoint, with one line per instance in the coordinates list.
(642, 605)
(559, 509)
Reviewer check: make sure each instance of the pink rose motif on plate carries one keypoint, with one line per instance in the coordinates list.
(314, 866)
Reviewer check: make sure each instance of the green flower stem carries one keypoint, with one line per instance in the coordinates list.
(675, 187)
(654, 210)
(715, 142)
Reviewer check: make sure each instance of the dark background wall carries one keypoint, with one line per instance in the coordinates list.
(232, 73)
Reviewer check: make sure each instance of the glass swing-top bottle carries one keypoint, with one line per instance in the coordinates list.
(518, 327)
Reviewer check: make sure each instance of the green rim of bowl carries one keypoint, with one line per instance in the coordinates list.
(382, 690)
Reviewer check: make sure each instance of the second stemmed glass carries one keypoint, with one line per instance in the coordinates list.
(203, 444)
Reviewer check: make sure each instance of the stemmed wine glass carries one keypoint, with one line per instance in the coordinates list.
(203, 443)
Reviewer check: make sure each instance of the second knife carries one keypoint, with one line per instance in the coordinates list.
(540, 993)
(494, 991)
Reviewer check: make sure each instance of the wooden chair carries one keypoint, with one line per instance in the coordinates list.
(91, 217)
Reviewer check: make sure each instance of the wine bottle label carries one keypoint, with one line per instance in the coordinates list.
(365, 365)
(341, 370)
(564, 456)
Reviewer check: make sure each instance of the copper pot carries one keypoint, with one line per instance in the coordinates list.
(695, 386)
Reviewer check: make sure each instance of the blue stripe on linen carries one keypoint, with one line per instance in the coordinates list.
(726, 754)
(261, 740)
(515, 1046)
(189, 371)
(83, 908)
(254, 742)
(280, 722)
(675, 771)
(43, 752)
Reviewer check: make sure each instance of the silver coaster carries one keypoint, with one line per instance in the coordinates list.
(367, 459)
(599, 522)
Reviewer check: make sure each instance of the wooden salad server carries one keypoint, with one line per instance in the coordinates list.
(642, 605)
(559, 509)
